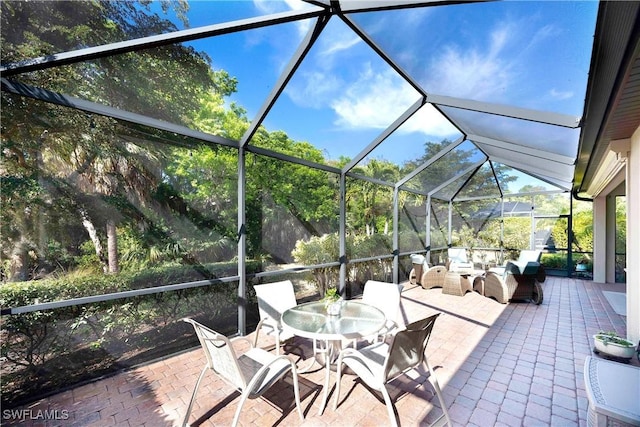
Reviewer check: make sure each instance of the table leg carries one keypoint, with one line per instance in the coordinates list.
(330, 352)
(332, 349)
(314, 359)
(325, 391)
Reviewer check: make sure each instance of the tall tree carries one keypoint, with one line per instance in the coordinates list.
(368, 203)
(207, 177)
(90, 155)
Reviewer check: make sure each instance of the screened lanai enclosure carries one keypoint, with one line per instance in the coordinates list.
(159, 159)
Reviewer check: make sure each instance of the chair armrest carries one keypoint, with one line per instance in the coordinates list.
(524, 268)
(266, 376)
(348, 351)
(531, 268)
(512, 268)
(493, 273)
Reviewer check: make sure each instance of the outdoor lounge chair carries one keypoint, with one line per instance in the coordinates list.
(380, 363)
(252, 373)
(427, 277)
(526, 255)
(518, 281)
(458, 261)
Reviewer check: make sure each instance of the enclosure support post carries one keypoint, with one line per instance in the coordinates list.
(242, 247)
(450, 225)
(532, 235)
(570, 267)
(427, 239)
(501, 230)
(343, 235)
(395, 245)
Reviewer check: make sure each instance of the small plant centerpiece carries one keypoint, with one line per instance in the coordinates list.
(613, 345)
(332, 301)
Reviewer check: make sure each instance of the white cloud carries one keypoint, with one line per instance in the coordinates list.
(544, 33)
(322, 76)
(297, 5)
(270, 6)
(340, 44)
(377, 99)
(472, 73)
(304, 26)
(315, 89)
(560, 95)
(430, 122)
(335, 45)
(373, 101)
(499, 39)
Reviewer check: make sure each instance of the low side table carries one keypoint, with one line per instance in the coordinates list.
(311, 320)
(613, 391)
(456, 284)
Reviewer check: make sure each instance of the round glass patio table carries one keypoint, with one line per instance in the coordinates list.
(355, 320)
(310, 320)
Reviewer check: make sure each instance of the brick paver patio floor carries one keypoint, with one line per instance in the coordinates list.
(511, 365)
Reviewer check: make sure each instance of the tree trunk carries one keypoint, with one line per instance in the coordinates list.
(112, 247)
(19, 261)
(19, 258)
(40, 214)
(93, 235)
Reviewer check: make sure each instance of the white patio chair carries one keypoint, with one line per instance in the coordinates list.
(380, 363)
(273, 300)
(385, 297)
(458, 261)
(252, 373)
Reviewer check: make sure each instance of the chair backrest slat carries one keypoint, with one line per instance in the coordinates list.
(275, 298)
(408, 347)
(384, 296)
(220, 355)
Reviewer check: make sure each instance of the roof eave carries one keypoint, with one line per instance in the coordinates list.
(615, 51)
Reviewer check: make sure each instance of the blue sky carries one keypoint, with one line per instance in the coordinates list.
(532, 54)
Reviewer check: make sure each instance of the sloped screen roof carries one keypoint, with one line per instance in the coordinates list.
(360, 80)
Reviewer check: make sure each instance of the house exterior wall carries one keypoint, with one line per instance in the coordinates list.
(604, 229)
(633, 238)
(600, 228)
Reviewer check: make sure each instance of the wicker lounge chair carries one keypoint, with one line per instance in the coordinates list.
(525, 256)
(517, 282)
(458, 261)
(427, 277)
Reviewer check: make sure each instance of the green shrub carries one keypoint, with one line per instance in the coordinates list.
(325, 249)
(320, 250)
(367, 246)
(558, 261)
(46, 349)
